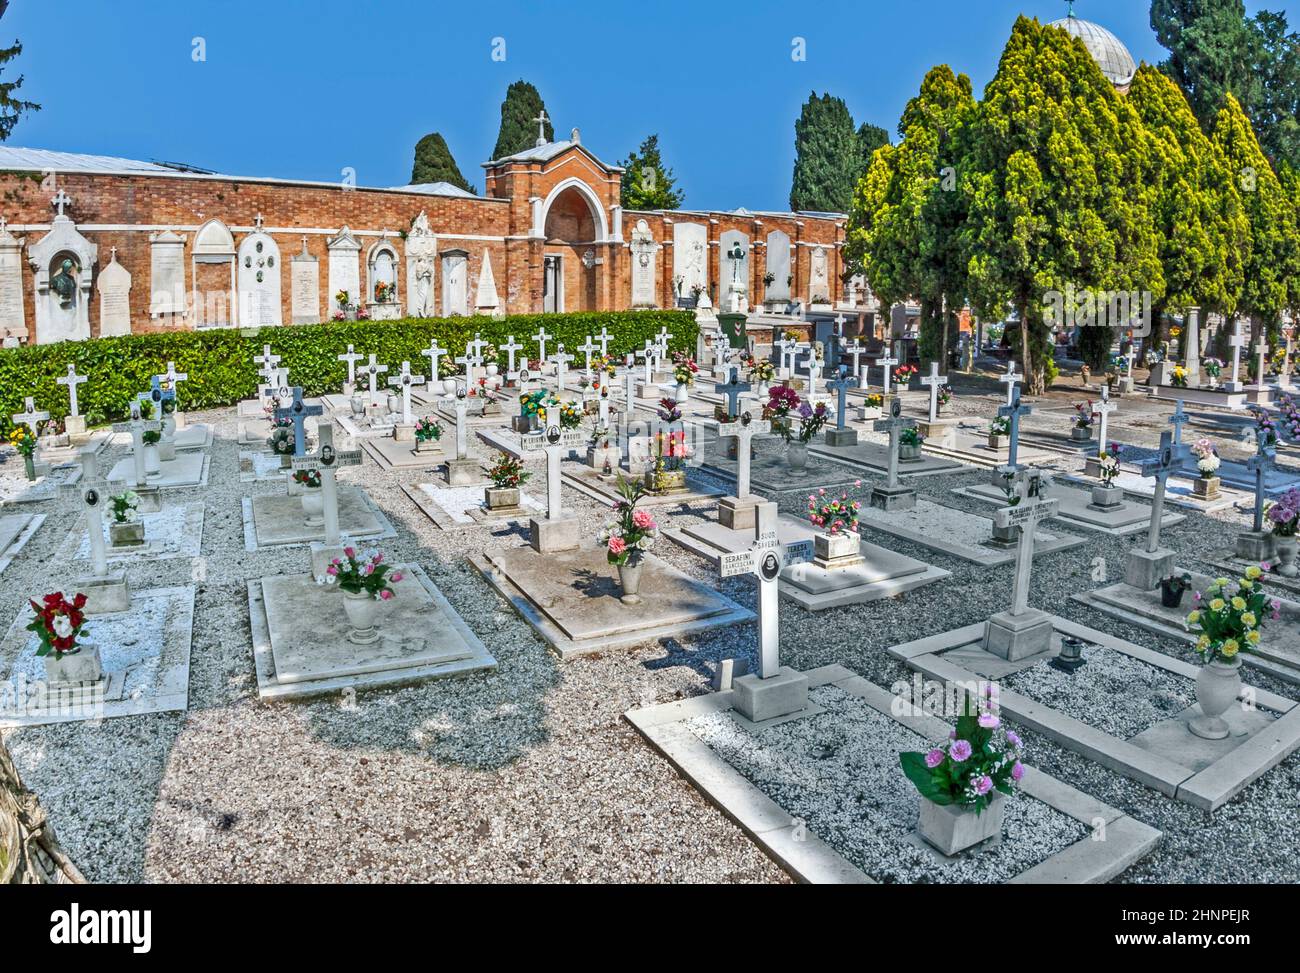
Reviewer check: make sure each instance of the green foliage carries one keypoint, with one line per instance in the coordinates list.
(222, 372)
(1274, 259)
(1059, 184)
(1203, 233)
(647, 183)
(827, 159)
(11, 106)
(434, 163)
(518, 126)
(870, 138)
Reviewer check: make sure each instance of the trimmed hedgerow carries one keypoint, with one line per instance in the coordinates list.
(222, 372)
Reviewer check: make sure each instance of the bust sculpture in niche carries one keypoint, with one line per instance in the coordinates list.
(64, 283)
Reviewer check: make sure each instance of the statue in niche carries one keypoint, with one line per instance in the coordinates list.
(64, 283)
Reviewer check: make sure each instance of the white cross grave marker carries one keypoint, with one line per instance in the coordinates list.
(888, 363)
(32, 418)
(935, 381)
(405, 381)
(1010, 379)
(72, 380)
(351, 358)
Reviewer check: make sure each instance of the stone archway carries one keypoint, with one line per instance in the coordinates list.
(574, 226)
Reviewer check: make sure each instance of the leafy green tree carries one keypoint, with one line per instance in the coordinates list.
(434, 163)
(1273, 265)
(1058, 182)
(1210, 51)
(519, 113)
(1276, 102)
(826, 156)
(647, 183)
(870, 138)
(1201, 226)
(12, 107)
(907, 210)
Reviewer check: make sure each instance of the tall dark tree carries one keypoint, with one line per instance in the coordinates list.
(434, 163)
(870, 138)
(647, 183)
(519, 114)
(827, 160)
(1210, 51)
(1273, 113)
(12, 107)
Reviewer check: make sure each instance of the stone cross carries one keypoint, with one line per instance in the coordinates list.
(137, 426)
(745, 428)
(813, 367)
(934, 380)
(603, 338)
(561, 359)
(267, 362)
(1028, 510)
(840, 386)
(72, 380)
(468, 361)
(629, 391)
(1178, 420)
(1128, 359)
(661, 342)
(477, 346)
(173, 377)
(1010, 379)
(1103, 409)
(602, 407)
(61, 199)
(541, 121)
(732, 390)
(888, 362)
(32, 418)
(352, 358)
(648, 353)
(588, 348)
(1236, 342)
(1261, 350)
(855, 348)
(406, 380)
(433, 353)
(94, 490)
(1284, 382)
(328, 461)
(782, 346)
(894, 425)
(541, 338)
(766, 559)
(557, 442)
(1013, 412)
(1167, 462)
(297, 412)
(1259, 464)
(373, 371)
(510, 347)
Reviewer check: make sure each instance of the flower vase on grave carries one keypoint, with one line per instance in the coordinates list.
(841, 549)
(448, 386)
(313, 505)
(1081, 434)
(1218, 685)
(909, 452)
(394, 403)
(501, 498)
(997, 441)
(629, 577)
(1206, 487)
(493, 369)
(951, 828)
(126, 534)
(29, 467)
(83, 664)
(1106, 497)
(152, 461)
(1172, 590)
(796, 454)
(1286, 555)
(682, 392)
(358, 405)
(362, 610)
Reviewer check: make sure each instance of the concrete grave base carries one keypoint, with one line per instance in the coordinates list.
(462, 472)
(15, 531)
(301, 646)
(1165, 756)
(189, 469)
(770, 473)
(174, 532)
(394, 454)
(19, 490)
(1256, 547)
(1278, 652)
(261, 466)
(1177, 493)
(889, 499)
(760, 700)
(589, 482)
(561, 534)
(881, 573)
(839, 438)
(106, 594)
(1016, 637)
(796, 846)
(874, 458)
(940, 434)
(735, 513)
(146, 659)
(973, 448)
(452, 508)
(571, 599)
(1076, 509)
(1146, 569)
(277, 520)
(956, 532)
(197, 436)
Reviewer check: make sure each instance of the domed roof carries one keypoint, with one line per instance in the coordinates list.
(1107, 50)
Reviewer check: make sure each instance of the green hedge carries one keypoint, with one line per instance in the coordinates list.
(222, 372)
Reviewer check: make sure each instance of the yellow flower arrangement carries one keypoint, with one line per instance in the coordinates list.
(1227, 619)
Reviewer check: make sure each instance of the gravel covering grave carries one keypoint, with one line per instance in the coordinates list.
(838, 771)
(1114, 692)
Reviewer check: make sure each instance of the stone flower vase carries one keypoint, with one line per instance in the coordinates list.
(629, 578)
(29, 467)
(83, 665)
(358, 405)
(152, 461)
(996, 441)
(1217, 686)
(1106, 496)
(952, 828)
(362, 611)
(1286, 555)
(681, 393)
(493, 370)
(501, 498)
(906, 452)
(394, 403)
(796, 454)
(1206, 487)
(313, 505)
(1081, 434)
(126, 534)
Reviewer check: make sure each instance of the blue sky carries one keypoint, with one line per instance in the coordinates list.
(300, 89)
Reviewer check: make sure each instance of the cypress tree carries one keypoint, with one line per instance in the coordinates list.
(434, 163)
(518, 125)
(827, 158)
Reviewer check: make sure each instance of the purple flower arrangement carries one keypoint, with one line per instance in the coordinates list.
(1284, 514)
(980, 758)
